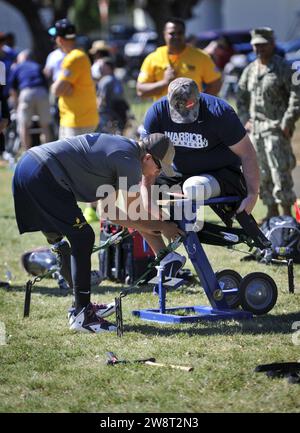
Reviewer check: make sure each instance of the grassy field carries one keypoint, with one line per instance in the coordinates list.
(47, 368)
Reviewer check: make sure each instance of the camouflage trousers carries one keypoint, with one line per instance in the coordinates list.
(276, 162)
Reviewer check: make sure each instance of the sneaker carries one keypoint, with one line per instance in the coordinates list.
(87, 321)
(101, 310)
(63, 252)
(104, 310)
(172, 263)
(90, 215)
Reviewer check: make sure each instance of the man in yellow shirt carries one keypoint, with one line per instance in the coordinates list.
(176, 59)
(74, 86)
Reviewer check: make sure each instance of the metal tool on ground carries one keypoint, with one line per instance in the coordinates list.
(113, 360)
(116, 238)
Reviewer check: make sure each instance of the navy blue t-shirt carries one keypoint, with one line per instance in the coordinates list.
(203, 145)
(27, 74)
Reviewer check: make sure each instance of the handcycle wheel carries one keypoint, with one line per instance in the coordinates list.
(258, 293)
(229, 279)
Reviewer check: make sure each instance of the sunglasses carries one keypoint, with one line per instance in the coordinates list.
(157, 161)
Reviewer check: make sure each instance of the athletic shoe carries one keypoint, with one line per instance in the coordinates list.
(101, 310)
(63, 252)
(90, 215)
(87, 321)
(172, 263)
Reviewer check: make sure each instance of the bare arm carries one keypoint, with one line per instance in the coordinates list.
(214, 87)
(245, 150)
(62, 88)
(151, 229)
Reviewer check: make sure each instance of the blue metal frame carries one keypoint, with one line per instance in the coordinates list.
(219, 309)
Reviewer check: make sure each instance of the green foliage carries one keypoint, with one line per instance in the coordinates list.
(85, 15)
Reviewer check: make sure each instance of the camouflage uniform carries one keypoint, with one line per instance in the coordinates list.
(271, 102)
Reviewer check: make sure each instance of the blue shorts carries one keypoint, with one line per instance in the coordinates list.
(41, 204)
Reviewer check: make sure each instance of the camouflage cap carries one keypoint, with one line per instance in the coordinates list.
(262, 35)
(183, 97)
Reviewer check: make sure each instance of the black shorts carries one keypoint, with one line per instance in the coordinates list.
(231, 180)
(41, 204)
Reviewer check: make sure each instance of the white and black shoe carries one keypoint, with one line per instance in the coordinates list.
(101, 310)
(172, 263)
(88, 321)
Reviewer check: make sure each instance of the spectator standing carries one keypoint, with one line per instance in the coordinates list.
(176, 59)
(52, 71)
(111, 101)
(53, 64)
(74, 86)
(30, 95)
(98, 51)
(221, 51)
(7, 58)
(4, 112)
(269, 105)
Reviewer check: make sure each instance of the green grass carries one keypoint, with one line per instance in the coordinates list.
(47, 368)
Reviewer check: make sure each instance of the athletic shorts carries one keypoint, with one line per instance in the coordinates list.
(41, 204)
(231, 181)
(31, 102)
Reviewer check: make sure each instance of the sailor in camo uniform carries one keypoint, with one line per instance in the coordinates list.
(268, 105)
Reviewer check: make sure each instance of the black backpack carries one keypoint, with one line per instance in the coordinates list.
(127, 260)
(284, 233)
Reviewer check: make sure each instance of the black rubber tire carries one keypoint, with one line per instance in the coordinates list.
(258, 285)
(229, 276)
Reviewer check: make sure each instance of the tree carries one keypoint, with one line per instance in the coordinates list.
(41, 41)
(160, 11)
(84, 12)
(30, 9)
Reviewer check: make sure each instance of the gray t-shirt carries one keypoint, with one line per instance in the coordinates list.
(84, 163)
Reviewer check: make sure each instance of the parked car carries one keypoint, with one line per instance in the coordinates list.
(118, 36)
(137, 48)
(239, 39)
(291, 50)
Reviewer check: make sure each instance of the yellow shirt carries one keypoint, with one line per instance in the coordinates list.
(79, 110)
(191, 63)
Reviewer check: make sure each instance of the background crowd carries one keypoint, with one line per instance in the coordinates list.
(82, 89)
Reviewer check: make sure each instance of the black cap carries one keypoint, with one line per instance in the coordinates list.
(161, 147)
(63, 28)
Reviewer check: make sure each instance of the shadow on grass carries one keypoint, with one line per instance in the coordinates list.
(259, 325)
(100, 290)
(268, 324)
(56, 291)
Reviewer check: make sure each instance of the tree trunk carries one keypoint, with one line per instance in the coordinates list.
(41, 40)
(160, 11)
